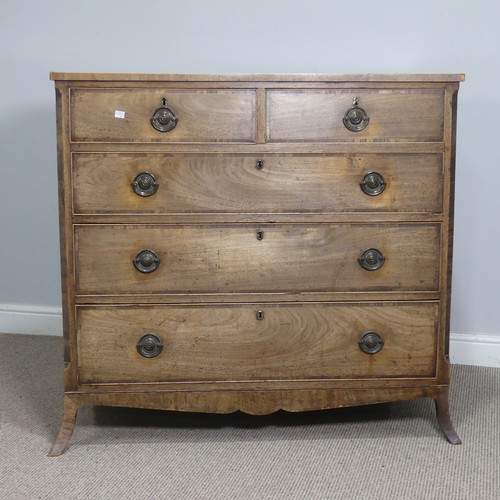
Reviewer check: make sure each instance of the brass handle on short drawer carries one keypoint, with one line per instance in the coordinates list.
(371, 260)
(164, 118)
(149, 346)
(372, 184)
(355, 118)
(146, 261)
(371, 343)
(145, 184)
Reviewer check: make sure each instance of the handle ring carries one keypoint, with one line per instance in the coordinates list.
(371, 260)
(164, 119)
(373, 184)
(146, 261)
(149, 346)
(355, 118)
(145, 184)
(371, 343)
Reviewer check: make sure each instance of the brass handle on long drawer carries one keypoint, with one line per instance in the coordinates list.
(371, 260)
(373, 184)
(145, 184)
(149, 346)
(355, 118)
(146, 261)
(371, 343)
(164, 118)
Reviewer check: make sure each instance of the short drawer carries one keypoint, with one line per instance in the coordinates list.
(108, 115)
(163, 184)
(230, 343)
(317, 115)
(143, 259)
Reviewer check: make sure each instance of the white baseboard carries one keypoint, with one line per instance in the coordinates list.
(465, 349)
(30, 319)
(479, 349)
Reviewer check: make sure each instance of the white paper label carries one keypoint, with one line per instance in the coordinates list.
(119, 114)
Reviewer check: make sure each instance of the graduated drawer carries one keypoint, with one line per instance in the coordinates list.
(231, 258)
(316, 115)
(124, 115)
(229, 343)
(104, 183)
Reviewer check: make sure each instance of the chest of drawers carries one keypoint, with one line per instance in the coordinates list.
(255, 242)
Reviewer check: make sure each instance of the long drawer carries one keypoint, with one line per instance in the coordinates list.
(166, 183)
(317, 115)
(121, 115)
(230, 343)
(141, 259)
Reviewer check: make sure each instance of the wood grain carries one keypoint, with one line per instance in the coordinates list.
(67, 427)
(258, 77)
(316, 115)
(257, 402)
(214, 273)
(232, 183)
(230, 258)
(203, 115)
(229, 343)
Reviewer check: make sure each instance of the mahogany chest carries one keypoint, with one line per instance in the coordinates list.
(255, 242)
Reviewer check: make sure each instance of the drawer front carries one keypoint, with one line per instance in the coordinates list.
(100, 115)
(104, 183)
(229, 343)
(249, 258)
(317, 115)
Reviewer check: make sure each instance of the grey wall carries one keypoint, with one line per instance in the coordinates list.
(230, 36)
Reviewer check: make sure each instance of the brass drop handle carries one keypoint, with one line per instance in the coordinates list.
(146, 261)
(149, 346)
(259, 165)
(371, 260)
(355, 118)
(145, 184)
(164, 118)
(371, 343)
(373, 184)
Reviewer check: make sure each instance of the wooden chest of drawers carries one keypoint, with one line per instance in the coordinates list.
(255, 242)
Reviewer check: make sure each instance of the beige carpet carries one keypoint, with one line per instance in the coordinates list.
(391, 451)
